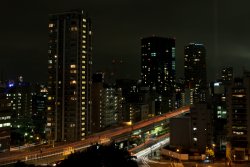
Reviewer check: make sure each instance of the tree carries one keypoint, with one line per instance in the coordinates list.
(100, 156)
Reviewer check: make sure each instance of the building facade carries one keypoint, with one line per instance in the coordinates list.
(227, 74)
(107, 104)
(195, 72)
(158, 63)
(196, 128)
(158, 70)
(218, 102)
(5, 121)
(239, 118)
(69, 72)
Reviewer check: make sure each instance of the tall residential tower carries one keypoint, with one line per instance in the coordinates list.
(69, 68)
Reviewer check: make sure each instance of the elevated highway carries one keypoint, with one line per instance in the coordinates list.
(61, 149)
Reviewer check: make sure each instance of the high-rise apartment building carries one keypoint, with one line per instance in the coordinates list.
(106, 104)
(195, 71)
(69, 68)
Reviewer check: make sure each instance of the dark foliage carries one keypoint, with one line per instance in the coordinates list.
(100, 156)
(22, 164)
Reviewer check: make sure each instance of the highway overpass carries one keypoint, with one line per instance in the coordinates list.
(59, 151)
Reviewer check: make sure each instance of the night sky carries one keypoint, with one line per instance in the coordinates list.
(223, 26)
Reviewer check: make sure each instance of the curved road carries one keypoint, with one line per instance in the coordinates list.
(105, 136)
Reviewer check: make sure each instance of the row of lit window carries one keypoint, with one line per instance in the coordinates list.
(5, 118)
(4, 125)
(173, 52)
(238, 133)
(18, 94)
(73, 82)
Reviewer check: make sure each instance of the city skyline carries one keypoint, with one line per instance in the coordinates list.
(118, 28)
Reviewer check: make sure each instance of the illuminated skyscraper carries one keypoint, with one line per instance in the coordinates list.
(158, 64)
(158, 71)
(69, 68)
(227, 74)
(195, 71)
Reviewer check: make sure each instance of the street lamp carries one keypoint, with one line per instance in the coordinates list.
(24, 136)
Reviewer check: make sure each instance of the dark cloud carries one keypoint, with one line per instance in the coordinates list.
(223, 27)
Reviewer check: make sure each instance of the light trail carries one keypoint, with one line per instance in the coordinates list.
(10, 158)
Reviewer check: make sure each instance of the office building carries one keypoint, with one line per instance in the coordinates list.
(39, 107)
(195, 71)
(97, 88)
(196, 128)
(158, 70)
(238, 147)
(158, 63)
(5, 121)
(218, 103)
(69, 76)
(19, 93)
(227, 74)
(107, 104)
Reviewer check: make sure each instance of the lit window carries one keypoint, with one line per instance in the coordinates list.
(72, 82)
(153, 54)
(73, 71)
(49, 108)
(72, 66)
(51, 25)
(73, 98)
(74, 28)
